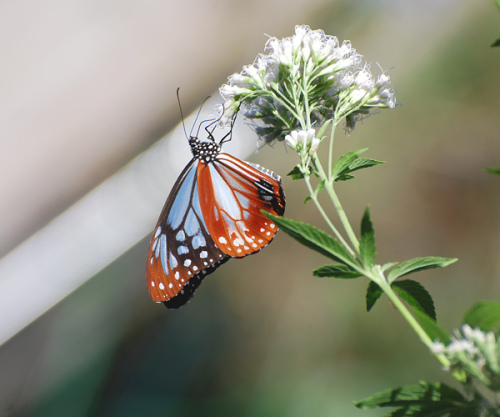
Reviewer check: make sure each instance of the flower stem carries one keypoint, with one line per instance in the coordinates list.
(336, 202)
(335, 231)
(381, 281)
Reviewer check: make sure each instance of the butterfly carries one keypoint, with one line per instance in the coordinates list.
(212, 214)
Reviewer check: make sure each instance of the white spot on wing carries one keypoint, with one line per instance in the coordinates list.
(163, 253)
(182, 250)
(173, 261)
(238, 242)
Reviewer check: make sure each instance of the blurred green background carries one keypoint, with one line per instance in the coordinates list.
(262, 337)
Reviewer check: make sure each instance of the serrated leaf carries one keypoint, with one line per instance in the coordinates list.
(313, 238)
(336, 271)
(436, 332)
(419, 264)
(367, 249)
(351, 162)
(295, 173)
(416, 296)
(373, 293)
(345, 177)
(362, 163)
(484, 315)
(492, 170)
(423, 399)
(342, 164)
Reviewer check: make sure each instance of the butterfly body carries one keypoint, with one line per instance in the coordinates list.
(212, 214)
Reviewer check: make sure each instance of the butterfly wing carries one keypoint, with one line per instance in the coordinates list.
(181, 252)
(232, 194)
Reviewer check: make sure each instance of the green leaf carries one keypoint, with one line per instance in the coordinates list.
(496, 43)
(344, 161)
(362, 163)
(314, 238)
(419, 264)
(491, 170)
(387, 266)
(321, 131)
(320, 187)
(484, 315)
(373, 293)
(367, 247)
(296, 173)
(435, 332)
(416, 296)
(336, 271)
(351, 162)
(423, 399)
(345, 177)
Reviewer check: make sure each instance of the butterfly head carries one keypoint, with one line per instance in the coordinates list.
(206, 151)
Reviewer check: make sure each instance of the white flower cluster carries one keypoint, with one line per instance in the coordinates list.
(303, 141)
(475, 352)
(303, 81)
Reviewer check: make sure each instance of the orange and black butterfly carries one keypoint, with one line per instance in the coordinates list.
(212, 214)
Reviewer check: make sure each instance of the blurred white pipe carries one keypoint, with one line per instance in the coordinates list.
(96, 230)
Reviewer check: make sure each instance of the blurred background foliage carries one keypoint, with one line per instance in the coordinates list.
(262, 337)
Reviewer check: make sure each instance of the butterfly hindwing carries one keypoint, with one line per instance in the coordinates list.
(182, 251)
(232, 194)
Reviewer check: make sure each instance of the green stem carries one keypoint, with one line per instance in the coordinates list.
(314, 198)
(381, 281)
(284, 101)
(330, 152)
(336, 203)
(306, 98)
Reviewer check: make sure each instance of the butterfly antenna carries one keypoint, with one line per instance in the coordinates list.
(195, 120)
(229, 135)
(182, 114)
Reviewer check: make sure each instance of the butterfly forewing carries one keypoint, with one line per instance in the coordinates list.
(182, 251)
(232, 194)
